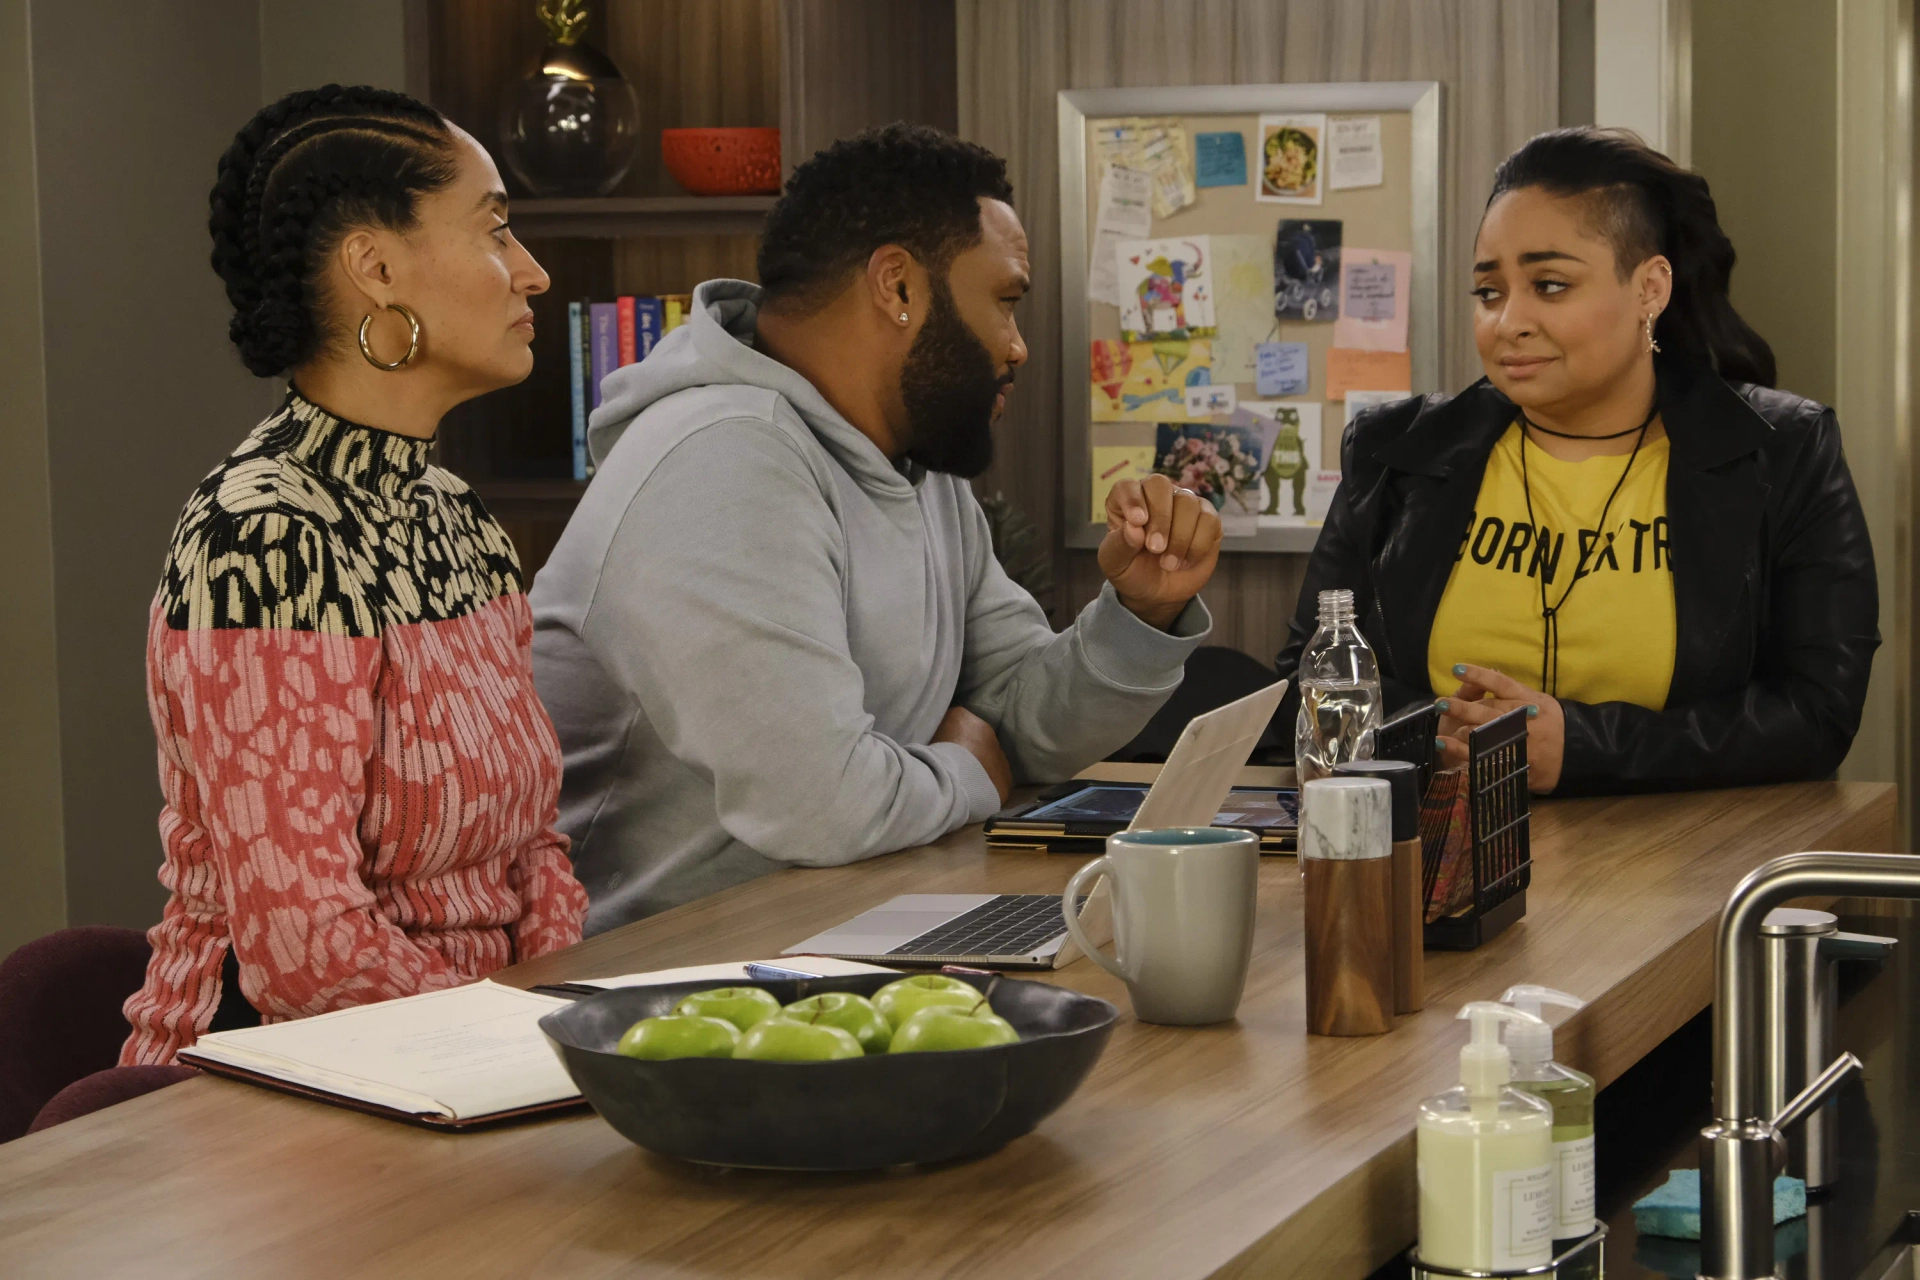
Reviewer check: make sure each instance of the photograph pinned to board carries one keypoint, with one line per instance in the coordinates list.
(1242, 303)
(1280, 368)
(1356, 401)
(1306, 269)
(1166, 288)
(1125, 212)
(1113, 463)
(1353, 370)
(1373, 299)
(1154, 145)
(1220, 461)
(1291, 160)
(1354, 157)
(1146, 381)
(1220, 159)
(1292, 458)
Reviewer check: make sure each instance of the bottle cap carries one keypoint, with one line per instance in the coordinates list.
(1532, 1042)
(1485, 1064)
(1404, 778)
(1346, 818)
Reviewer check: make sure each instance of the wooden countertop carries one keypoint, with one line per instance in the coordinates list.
(1243, 1149)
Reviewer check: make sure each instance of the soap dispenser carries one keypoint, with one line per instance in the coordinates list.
(1570, 1094)
(1484, 1155)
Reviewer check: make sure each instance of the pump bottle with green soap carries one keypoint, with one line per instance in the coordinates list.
(1484, 1155)
(1570, 1094)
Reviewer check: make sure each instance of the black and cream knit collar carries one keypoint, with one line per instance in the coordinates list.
(381, 462)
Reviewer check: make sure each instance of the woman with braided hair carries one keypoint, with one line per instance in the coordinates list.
(360, 782)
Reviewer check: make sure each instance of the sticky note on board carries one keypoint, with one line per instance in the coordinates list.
(1113, 463)
(1370, 287)
(1204, 399)
(1352, 370)
(1280, 368)
(1220, 159)
(1374, 285)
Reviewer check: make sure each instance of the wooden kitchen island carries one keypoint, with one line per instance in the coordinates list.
(1246, 1149)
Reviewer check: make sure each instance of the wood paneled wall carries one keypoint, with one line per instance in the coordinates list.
(1497, 62)
(855, 63)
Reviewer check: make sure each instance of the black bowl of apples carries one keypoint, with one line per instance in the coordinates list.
(855, 1072)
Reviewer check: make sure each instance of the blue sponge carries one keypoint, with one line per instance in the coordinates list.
(1673, 1210)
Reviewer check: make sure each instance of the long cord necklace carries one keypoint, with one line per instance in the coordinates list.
(1550, 613)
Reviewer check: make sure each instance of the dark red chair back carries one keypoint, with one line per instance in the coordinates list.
(60, 1018)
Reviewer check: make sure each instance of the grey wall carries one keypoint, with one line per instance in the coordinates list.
(118, 391)
(32, 874)
(305, 43)
(133, 104)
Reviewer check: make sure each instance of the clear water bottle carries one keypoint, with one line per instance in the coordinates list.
(1339, 693)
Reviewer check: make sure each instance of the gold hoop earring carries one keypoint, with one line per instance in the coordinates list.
(413, 342)
(1653, 347)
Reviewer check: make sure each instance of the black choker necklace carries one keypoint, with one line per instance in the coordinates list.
(1568, 435)
(1550, 613)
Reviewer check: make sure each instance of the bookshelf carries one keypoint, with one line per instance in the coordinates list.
(815, 69)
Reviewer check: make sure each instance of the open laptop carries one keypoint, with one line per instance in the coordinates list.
(1025, 930)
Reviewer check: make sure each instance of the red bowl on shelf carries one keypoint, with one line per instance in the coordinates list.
(723, 162)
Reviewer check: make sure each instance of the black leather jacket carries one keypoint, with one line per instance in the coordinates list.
(1775, 605)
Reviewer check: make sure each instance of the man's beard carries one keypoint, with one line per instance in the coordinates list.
(949, 386)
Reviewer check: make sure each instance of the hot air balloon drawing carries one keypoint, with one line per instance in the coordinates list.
(1112, 359)
(1146, 381)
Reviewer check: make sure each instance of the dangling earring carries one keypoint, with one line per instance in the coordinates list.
(413, 342)
(1653, 348)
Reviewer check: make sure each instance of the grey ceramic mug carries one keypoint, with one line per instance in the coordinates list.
(1182, 919)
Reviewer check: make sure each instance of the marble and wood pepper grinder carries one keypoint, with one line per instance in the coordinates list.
(1409, 898)
(1346, 829)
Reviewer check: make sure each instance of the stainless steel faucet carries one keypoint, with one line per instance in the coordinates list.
(1741, 1150)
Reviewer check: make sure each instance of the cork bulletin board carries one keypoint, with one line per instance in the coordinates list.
(1267, 254)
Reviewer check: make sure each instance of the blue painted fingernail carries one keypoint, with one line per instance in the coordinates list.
(1532, 711)
(1439, 744)
(1440, 703)
(1459, 668)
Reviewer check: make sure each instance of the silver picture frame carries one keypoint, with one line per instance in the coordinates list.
(1420, 99)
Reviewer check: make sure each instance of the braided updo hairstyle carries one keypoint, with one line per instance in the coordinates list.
(303, 172)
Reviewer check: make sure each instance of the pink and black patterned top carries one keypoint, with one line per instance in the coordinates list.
(360, 781)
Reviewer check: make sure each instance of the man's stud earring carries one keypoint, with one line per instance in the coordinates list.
(903, 317)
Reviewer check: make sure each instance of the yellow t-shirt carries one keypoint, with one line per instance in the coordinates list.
(1616, 628)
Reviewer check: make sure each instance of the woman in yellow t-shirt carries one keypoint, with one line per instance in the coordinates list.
(1622, 527)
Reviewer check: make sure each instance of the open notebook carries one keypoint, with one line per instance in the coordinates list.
(454, 1059)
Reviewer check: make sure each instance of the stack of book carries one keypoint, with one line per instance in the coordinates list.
(602, 336)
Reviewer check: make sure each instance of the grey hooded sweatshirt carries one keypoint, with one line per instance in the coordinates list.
(754, 622)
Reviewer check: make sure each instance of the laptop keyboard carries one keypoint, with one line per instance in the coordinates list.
(1012, 924)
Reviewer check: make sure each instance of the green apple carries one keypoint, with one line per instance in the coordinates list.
(943, 1027)
(898, 1001)
(783, 1040)
(742, 1006)
(852, 1013)
(679, 1036)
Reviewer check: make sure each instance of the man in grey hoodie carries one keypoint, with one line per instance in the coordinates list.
(774, 632)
